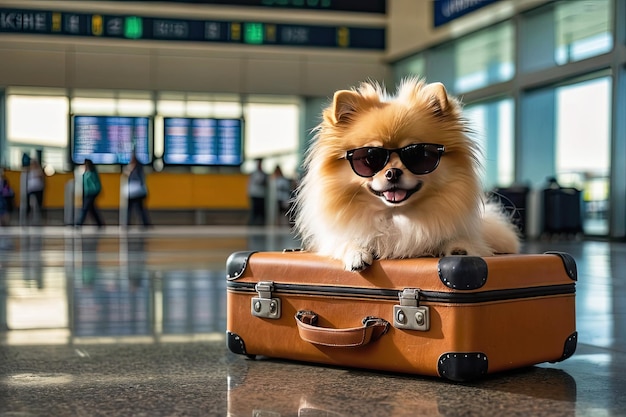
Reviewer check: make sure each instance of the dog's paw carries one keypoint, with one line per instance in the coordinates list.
(460, 248)
(356, 261)
(458, 251)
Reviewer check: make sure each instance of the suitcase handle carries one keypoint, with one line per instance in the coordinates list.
(371, 330)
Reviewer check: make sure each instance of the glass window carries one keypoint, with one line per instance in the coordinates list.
(472, 62)
(112, 106)
(37, 123)
(583, 146)
(223, 109)
(93, 106)
(565, 31)
(440, 66)
(413, 66)
(201, 108)
(272, 132)
(484, 58)
(171, 108)
(492, 124)
(37, 120)
(130, 107)
(583, 29)
(566, 133)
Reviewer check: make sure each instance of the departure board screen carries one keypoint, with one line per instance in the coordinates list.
(110, 140)
(363, 6)
(202, 141)
(45, 22)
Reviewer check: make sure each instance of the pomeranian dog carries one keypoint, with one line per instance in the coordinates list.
(396, 177)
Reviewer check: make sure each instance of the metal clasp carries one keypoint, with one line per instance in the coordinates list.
(409, 314)
(264, 305)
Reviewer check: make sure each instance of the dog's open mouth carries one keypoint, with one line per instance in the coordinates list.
(396, 195)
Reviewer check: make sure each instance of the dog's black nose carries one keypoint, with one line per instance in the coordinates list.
(393, 174)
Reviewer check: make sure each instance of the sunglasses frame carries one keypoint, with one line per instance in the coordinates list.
(439, 148)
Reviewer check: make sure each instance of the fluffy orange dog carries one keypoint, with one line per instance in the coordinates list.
(397, 177)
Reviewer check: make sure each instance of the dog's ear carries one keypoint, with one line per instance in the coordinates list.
(438, 98)
(345, 105)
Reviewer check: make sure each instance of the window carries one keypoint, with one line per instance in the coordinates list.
(440, 66)
(583, 29)
(566, 31)
(471, 62)
(37, 120)
(37, 123)
(93, 106)
(583, 146)
(272, 132)
(566, 134)
(112, 103)
(484, 58)
(413, 66)
(492, 123)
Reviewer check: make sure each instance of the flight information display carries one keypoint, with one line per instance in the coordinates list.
(110, 140)
(364, 6)
(202, 141)
(46, 22)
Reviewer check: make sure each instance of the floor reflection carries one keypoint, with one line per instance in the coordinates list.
(339, 392)
(120, 284)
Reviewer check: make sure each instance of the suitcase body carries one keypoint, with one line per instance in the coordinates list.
(458, 317)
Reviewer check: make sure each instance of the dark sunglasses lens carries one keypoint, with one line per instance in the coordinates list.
(368, 161)
(420, 158)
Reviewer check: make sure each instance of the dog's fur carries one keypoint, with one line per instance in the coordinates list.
(347, 217)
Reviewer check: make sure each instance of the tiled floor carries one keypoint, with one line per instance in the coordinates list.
(132, 322)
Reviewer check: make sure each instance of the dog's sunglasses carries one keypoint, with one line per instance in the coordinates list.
(419, 158)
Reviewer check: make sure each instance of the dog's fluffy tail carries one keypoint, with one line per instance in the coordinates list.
(500, 234)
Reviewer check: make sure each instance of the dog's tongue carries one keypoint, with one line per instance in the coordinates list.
(395, 195)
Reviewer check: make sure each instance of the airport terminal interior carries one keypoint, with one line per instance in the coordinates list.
(129, 317)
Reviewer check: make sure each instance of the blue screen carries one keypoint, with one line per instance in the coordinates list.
(110, 140)
(202, 141)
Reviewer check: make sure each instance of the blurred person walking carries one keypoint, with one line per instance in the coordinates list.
(137, 191)
(6, 200)
(257, 190)
(91, 190)
(283, 186)
(35, 185)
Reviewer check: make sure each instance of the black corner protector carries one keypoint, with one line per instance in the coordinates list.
(462, 366)
(463, 272)
(568, 262)
(236, 264)
(235, 343)
(570, 346)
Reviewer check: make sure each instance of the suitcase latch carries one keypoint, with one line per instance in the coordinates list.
(264, 305)
(409, 314)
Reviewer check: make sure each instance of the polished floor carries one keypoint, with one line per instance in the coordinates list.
(131, 322)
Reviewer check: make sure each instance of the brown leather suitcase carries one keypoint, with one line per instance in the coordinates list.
(458, 317)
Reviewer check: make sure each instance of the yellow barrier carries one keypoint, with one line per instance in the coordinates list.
(166, 191)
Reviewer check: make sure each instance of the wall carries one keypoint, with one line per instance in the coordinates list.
(67, 62)
(411, 29)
